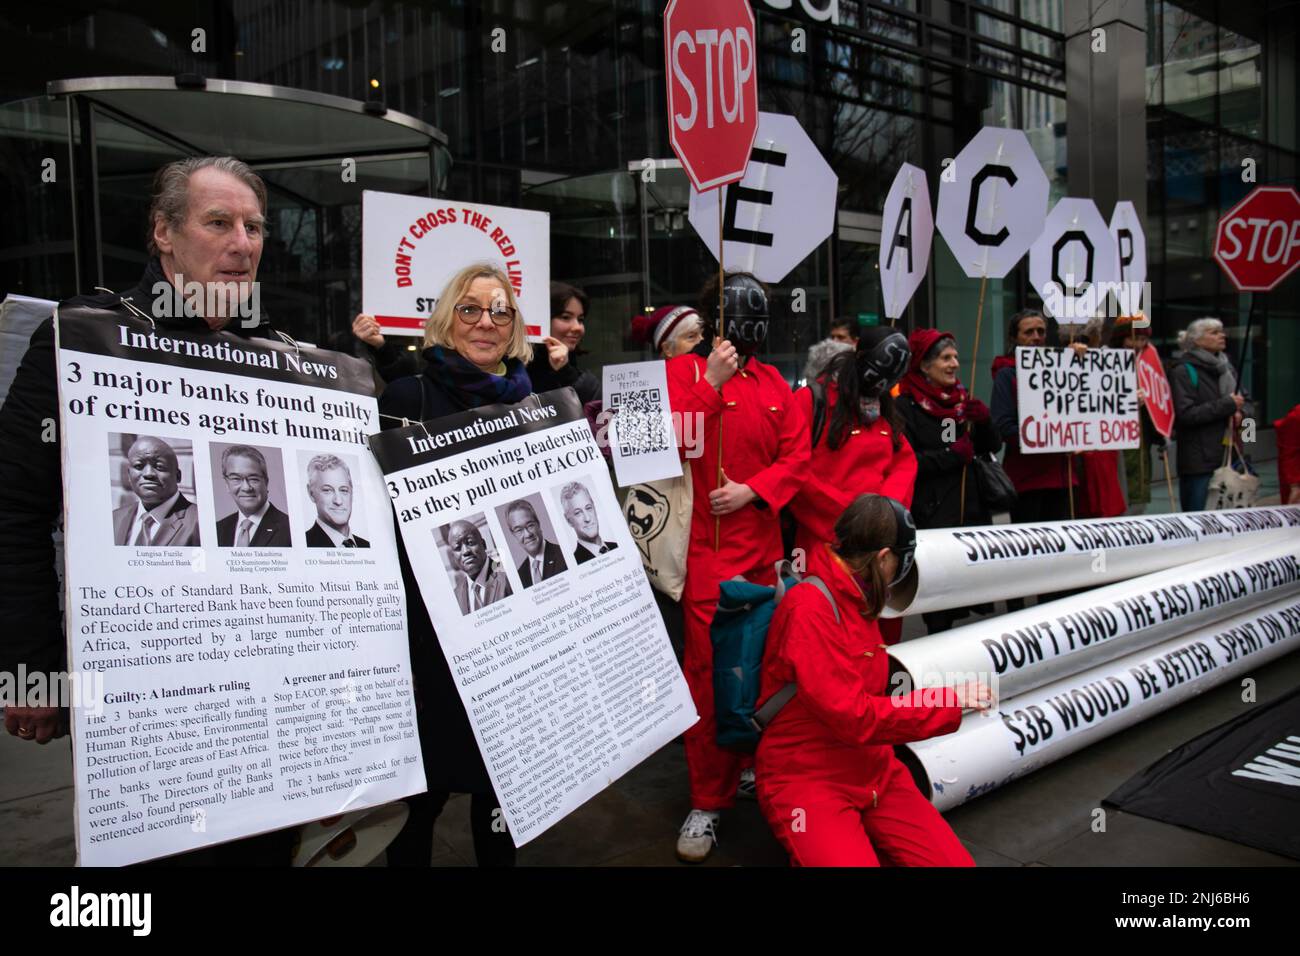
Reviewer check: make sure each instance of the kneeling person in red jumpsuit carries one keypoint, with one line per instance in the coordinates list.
(735, 524)
(828, 781)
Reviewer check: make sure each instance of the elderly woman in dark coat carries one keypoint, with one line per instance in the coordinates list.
(947, 428)
(1207, 406)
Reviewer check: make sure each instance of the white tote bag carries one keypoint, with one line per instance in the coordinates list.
(658, 514)
(1230, 488)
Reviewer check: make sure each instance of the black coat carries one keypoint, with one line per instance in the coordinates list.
(546, 379)
(937, 500)
(272, 531)
(31, 485)
(1201, 415)
(452, 761)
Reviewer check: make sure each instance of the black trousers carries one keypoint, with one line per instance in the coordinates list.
(414, 845)
(1046, 504)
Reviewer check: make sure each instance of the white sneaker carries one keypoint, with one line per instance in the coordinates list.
(698, 836)
(747, 789)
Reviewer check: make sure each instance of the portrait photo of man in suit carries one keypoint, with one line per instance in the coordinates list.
(329, 485)
(580, 512)
(542, 557)
(256, 522)
(476, 583)
(161, 516)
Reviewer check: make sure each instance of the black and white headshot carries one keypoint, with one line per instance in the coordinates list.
(531, 539)
(155, 512)
(330, 491)
(252, 480)
(579, 510)
(470, 558)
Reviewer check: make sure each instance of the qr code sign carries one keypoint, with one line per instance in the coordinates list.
(641, 428)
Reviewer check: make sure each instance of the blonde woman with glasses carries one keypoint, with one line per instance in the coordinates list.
(476, 354)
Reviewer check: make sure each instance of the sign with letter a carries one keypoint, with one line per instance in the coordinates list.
(906, 234)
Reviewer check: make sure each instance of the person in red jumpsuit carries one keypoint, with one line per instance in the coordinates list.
(860, 448)
(735, 528)
(829, 784)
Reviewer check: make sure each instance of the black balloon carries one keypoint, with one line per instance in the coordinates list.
(882, 359)
(746, 315)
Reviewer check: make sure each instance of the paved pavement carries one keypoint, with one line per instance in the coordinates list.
(1042, 820)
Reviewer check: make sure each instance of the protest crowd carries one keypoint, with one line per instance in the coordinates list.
(882, 439)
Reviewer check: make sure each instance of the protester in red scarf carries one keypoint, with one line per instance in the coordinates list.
(947, 428)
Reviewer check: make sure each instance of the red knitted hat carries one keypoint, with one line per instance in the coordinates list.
(655, 327)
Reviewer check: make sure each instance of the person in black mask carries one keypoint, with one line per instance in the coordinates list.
(745, 311)
(857, 440)
(754, 455)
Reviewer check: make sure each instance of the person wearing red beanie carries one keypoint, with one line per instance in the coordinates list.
(947, 427)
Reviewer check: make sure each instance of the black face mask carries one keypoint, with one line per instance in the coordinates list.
(747, 313)
(904, 541)
(881, 365)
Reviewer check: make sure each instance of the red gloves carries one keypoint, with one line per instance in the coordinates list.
(976, 411)
(964, 449)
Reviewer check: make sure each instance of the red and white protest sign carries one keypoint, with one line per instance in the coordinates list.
(1258, 241)
(709, 57)
(1070, 401)
(1156, 394)
(412, 245)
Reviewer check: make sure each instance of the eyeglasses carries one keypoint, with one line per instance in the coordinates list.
(252, 481)
(469, 313)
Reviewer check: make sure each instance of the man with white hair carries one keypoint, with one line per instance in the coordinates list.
(329, 485)
(206, 224)
(580, 512)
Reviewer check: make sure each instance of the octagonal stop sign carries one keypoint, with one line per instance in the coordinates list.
(709, 55)
(1258, 242)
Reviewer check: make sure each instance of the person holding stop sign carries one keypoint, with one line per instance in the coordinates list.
(1128, 334)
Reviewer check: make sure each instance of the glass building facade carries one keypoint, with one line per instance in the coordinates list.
(555, 106)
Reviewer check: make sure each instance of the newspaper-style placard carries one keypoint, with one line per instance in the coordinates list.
(232, 574)
(536, 591)
(1072, 401)
(412, 246)
(641, 437)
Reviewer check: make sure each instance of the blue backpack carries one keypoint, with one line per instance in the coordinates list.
(739, 636)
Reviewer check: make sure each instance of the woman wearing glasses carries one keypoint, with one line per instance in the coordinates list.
(475, 352)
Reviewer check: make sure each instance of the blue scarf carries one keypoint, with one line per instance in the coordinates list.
(476, 387)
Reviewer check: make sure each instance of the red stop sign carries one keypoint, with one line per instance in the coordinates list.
(1258, 241)
(1157, 396)
(709, 58)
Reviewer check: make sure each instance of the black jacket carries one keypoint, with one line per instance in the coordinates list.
(31, 486)
(937, 500)
(1201, 415)
(547, 379)
(452, 761)
(552, 564)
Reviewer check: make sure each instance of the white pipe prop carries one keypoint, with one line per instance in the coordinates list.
(1029, 732)
(1017, 652)
(960, 566)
